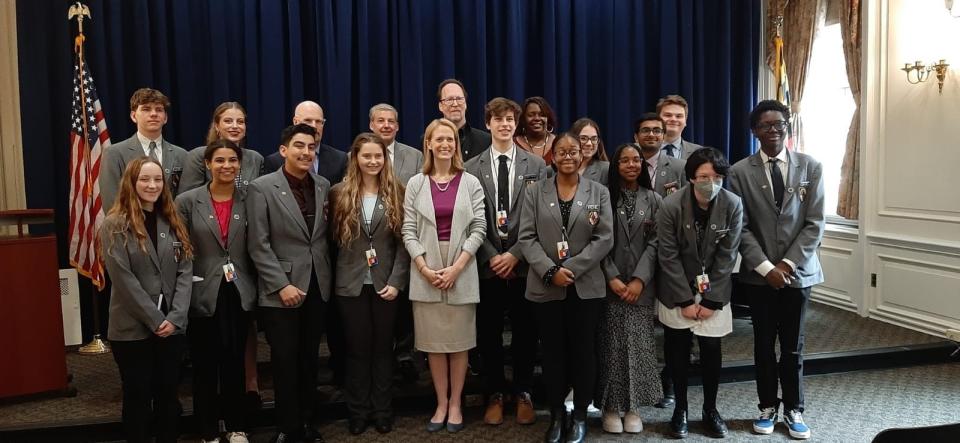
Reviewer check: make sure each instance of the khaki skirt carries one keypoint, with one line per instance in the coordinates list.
(444, 328)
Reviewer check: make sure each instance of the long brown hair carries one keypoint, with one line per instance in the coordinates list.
(579, 126)
(456, 163)
(212, 134)
(127, 207)
(347, 200)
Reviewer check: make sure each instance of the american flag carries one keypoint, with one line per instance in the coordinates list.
(88, 139)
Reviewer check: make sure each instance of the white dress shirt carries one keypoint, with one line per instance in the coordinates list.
(145, 143)
(495, 166)
(767, 266)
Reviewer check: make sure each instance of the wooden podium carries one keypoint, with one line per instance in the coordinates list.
(31, 323)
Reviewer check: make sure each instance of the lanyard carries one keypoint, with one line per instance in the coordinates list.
(363, 219)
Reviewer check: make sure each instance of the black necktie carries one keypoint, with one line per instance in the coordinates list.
(777, 178)
(670, 150)
(645, 174)
(503, 187)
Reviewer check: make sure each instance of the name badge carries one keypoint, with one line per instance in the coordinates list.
(593, 214)
(563, 250)
(177, 251)
(372, 257)
(501, 218)
(703, 284)
(229, 272)
(670, 187)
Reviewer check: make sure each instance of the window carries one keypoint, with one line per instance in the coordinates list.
(827, 109)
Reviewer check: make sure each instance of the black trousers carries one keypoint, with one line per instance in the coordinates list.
(778, 314)
(368, 330)
(294, 337)
(149, 375)
(498, 297)
(568, 336)
(679, 342)
(336, 342)
(217, 346)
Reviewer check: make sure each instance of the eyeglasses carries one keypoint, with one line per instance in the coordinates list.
(654, 131)
(451, 100)
(778, 125)
(706, 178)
(588, 139)
(567, 154)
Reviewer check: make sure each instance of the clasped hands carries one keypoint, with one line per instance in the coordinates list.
(503, 265)
(781, 275)
(442, 279)
(696, 311)
(628, 292)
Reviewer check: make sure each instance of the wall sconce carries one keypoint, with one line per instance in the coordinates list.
(922, 73)
(953, 8)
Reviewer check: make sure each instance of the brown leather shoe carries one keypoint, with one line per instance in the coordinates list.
(494, 414)
(525, 413)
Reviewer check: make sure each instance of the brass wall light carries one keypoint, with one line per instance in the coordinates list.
(921, 72)
(953, 8)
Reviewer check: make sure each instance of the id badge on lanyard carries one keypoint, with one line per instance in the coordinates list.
(563, 248)
(229, 272)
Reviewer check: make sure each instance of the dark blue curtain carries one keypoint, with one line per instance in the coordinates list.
(607, 59)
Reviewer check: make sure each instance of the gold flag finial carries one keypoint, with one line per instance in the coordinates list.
(78, 10)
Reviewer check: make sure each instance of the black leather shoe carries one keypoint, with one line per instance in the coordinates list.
(435, 427)
(283, 438)
(383, 425)
(713, 424)
(678, 424)
(311, 434)
(357, 425)
(578, 430)
(666, 402)
(555, 430)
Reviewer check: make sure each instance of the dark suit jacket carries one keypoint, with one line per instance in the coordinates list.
(210, 255)
(677, 251)
(473, 141)
(116, 157)
(196, 174)
(528, 170)
(331, 163)
(139, 279)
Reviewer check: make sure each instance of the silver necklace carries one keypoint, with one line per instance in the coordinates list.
(443, 189)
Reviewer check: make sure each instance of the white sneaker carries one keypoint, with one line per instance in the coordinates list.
(794, 421)
(237, 437)
(632, 423)
(612, 423)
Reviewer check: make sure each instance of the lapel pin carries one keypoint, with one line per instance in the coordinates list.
(622, 213)
(687, 226)
(166, 171)
(519, 177)
(763, 187)
(246, 182)
(663, 173)
(163, 235)
(380, 206)
(641, 212)
(579, 203)
(551, 204)
(790, 190)
(236, 216)
(211, 216)
(713, 226)
(283, 192)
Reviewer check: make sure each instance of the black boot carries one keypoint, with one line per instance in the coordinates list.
(678, 424)
(577, 432)
(714, 424)
(555, 430)
(666, 382)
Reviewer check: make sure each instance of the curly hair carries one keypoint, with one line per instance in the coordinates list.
(347, 199)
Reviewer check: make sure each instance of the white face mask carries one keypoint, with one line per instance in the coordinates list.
(708, 189)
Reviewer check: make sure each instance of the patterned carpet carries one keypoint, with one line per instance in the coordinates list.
(828, 329)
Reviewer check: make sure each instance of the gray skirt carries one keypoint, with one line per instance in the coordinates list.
(444, 328)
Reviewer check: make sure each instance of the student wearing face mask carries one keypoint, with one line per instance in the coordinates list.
(698, 229)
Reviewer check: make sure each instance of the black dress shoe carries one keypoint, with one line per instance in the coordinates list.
(283, 438)
(555, 430)
(578, 430)
(666, 402)
(383, 425)
(678, 424)
(311, 434)
(357, 425)
(714, 424)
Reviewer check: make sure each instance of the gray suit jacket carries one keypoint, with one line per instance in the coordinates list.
(688, 148)
(393, 267)
(794, 232)
(529, 169)
(407, 162)
(466, 234)
(589, 243)
(677, 251)
(196, 174)
(283, 248)
(597, 171)
(116, 157)
(670, 174)
(210, 255)
(634, 254)
(139, 279)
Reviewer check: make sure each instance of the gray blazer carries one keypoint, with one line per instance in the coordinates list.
(795, 232)
(393, 267)
(689, 147)
(589, 243)
(196, 174)
(283, 248)
(677, 249)
(139, 279)
(597, 171)
(116, 157)
(209, 255)
(670, 174)
(634, 254)
(407, 162)
(466, 234)
(528, 170)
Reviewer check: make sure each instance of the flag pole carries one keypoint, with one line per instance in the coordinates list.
(79, 11)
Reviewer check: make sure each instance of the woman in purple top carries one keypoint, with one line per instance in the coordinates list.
(443, 226)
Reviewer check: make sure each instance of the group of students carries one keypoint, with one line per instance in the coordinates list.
(586, 255)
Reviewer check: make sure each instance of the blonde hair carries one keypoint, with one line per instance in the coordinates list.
(456, 165)
(127, 208)
(347, 200)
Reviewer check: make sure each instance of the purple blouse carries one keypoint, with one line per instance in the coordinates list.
(443, 204)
